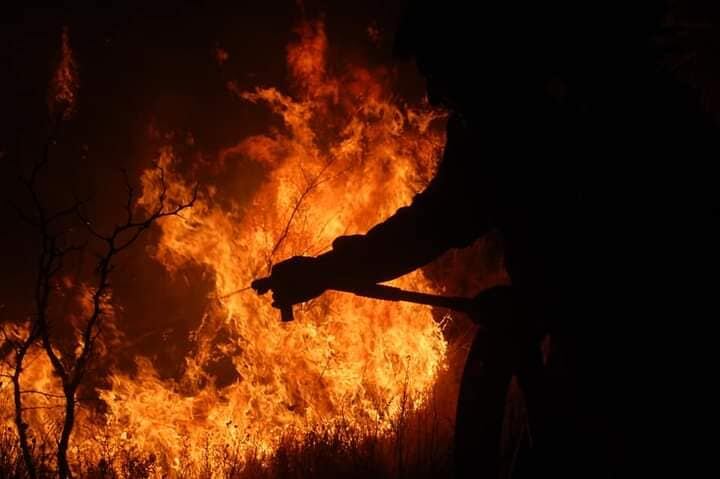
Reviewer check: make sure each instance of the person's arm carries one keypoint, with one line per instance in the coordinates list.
(449, 213)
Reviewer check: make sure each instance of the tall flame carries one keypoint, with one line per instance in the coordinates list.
(347, 157)
(64, 83)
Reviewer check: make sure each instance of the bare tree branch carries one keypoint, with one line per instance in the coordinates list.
(21, 350)
(71, 368)
(41, 393)
(114, 244)
(30, 408)
(313, 184)
(24, 216)
(130, 196)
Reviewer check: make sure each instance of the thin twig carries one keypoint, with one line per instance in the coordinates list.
(42, 393)
(312, 185)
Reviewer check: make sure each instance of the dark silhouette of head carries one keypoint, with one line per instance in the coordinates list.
(469, 51)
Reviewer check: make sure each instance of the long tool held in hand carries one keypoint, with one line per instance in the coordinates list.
(381, 291)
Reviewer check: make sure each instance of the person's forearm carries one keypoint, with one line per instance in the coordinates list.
(410, 239)
(450, 213)
(391, 249)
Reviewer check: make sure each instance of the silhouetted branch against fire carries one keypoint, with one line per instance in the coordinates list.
(53, 228)
(52, 234)
(312, 184)
(53, 249)
(121, 237)
(70, 367)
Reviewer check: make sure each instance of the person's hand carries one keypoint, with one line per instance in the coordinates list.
(293, 281)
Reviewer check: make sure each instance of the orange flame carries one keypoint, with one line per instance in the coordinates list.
(347, 157)
(64, 84)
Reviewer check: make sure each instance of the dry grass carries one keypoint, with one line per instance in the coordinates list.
(417, 445)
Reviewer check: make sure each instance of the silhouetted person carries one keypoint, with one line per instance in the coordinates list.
(569, 139)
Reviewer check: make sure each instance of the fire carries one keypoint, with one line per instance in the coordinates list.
(64, 84)
(42, 397)
(348, 155)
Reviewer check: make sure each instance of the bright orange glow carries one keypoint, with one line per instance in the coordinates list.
(347, 156)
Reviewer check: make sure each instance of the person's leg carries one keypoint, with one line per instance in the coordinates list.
(481, 407)
(530, 375)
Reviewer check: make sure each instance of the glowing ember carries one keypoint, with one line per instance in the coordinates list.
(221, 56)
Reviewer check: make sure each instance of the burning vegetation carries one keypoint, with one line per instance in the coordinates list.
(133, 345)
(350, 377)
